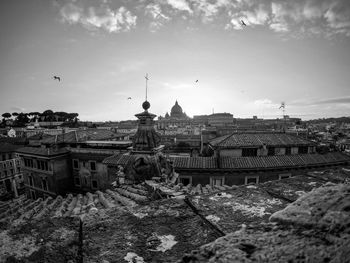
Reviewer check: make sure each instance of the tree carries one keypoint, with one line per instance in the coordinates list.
(48, 115)
(14, 114)
(6, 115)
(21, 120)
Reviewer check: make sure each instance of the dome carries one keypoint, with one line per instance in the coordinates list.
(176, 110)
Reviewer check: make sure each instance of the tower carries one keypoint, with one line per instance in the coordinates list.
(146, 139)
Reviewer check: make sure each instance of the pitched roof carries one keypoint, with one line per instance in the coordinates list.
(259, 162)
(81, 136)
(42, 151)
(236, 140)
(118, 159)
(8, 147)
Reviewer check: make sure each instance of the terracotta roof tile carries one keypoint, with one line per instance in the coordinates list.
(258, 139)
(42, 151)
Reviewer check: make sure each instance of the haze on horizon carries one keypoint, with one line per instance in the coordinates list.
(291, 51)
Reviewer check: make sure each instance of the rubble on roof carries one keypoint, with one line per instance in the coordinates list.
(315, 228)
(158, 232)
(127, 223)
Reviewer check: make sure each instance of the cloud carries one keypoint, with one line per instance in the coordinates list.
(341, 100)
(288, 18)
(181, 5)
(209, 10)
(17, 109)
(99, 17)
(154, 11)
(266, 103)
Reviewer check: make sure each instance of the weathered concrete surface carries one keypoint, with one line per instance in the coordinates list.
(292, 188)
(49, 240)
(315, 228)
(327, 207)
(274, 245)
(159, 232)
(228, 210)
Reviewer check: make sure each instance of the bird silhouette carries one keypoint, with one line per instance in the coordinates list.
(196, 80)
(129, 98)
(243, 24)
(58, 78)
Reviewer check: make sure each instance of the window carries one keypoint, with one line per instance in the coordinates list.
(93, 165)
(185, 180)
(5, 173)
(94, 184)
(44, 184)
(249, 152)
(218, 181)
(77, 181)
(43, 165)
(28, 163)
(11, 171)
(32, 194)
(75, 164)
(271, 151)
(303, 149)
(31, 182)
(288, 151)
(251, 179)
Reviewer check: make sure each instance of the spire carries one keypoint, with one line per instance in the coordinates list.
(146, 77)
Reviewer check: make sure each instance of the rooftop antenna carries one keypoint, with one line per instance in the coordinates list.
(146, 77)
(283, 106)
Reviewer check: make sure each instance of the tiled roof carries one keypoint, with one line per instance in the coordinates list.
(118, 159)
(41, 151)
(40, 136)
(259, 162)
(81, 136)
(258, 139)
(256, 162)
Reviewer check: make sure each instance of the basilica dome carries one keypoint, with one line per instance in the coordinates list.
(176, 111)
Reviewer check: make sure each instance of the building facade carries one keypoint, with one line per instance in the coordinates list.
(11, 176)
(47, 171)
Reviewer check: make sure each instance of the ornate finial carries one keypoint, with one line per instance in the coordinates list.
(146, 105)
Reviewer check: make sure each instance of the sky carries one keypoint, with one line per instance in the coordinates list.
(297, 52)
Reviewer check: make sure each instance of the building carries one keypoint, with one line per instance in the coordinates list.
(260, 144)
(11, 177)
(47, 171)
(243, 158)
(176, 119)
(89, 172)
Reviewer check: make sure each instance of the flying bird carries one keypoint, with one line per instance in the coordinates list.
(196, 80)
(129, 98)
(243, 24)
(58, 78)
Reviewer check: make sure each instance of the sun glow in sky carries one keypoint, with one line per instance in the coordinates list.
(294, 51)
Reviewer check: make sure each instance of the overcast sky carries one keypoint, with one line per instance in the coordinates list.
(293, 51)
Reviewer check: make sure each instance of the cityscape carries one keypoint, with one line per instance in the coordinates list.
(175, 131)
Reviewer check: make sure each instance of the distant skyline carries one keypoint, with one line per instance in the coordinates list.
(297, 52)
